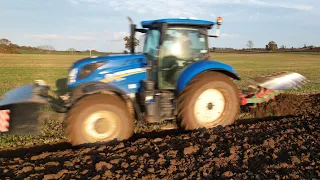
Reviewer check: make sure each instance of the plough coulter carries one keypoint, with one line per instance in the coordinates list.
(172, 80)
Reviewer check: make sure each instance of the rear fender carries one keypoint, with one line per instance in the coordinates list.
(98, 87)
(202, 66)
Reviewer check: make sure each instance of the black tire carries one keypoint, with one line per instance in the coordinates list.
(208, 80)
(105, 103)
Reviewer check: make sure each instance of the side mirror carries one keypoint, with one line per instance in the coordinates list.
(142, 30)
(219, 22)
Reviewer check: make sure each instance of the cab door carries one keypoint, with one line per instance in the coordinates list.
(172, 57)
(151, 50)
(181, 47)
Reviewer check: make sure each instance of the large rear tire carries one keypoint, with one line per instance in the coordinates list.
(209, 100)
(99, 118)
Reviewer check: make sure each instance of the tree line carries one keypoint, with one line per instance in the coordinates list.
(7, 47)
(271, 46)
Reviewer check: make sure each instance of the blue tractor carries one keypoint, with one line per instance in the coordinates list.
(172, 80)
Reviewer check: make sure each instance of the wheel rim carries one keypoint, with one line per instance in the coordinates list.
(101, 125)
(209, 106)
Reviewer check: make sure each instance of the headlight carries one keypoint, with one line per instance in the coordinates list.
(72, 76)
(88, 69)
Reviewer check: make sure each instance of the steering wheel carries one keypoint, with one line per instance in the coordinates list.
(175, 65)
(169, 63)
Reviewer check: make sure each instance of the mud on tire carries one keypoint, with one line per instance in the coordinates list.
(213, 86)
(99, 117)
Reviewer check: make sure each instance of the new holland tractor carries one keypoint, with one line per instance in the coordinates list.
(173, 79)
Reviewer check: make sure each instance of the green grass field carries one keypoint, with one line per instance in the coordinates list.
(17, 70)
(251, 65)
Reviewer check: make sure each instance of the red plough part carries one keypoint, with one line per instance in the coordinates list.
(251, 99)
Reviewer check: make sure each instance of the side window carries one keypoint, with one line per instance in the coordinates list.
(198, 42)
(152, 43)
(141, 45)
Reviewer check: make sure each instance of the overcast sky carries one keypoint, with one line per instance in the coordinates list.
(102, 24)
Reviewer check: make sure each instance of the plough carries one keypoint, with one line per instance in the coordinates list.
(269, 86)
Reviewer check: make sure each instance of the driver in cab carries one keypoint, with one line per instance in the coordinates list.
(177, 47)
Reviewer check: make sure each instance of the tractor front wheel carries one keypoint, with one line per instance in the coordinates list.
(210, 99)
(99, 118)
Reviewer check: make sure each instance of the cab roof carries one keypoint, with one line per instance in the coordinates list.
(178, 21)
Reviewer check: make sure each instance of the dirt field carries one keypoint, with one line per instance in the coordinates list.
(283, 147)
(281, 142)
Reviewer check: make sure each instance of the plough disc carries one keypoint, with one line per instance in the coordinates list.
(281, 81)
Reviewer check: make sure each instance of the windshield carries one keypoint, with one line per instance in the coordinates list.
(184, 44)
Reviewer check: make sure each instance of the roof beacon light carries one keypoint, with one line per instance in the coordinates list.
(219, 20)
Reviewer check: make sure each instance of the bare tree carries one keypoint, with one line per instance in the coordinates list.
(47, 48)
(72, 50)
(250, 44)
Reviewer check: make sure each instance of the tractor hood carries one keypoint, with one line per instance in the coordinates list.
(110, 58)
(108, 69)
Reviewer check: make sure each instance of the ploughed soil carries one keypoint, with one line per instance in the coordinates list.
(282, 144)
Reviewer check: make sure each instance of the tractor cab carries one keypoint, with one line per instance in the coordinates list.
(171, 45)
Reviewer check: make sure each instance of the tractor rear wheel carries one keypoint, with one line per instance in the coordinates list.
(99, 118)
(211, 99)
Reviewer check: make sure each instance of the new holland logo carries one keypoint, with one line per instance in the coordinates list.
(121, 74)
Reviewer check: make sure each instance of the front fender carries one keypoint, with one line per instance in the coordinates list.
(97, 87)
(202, 66)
